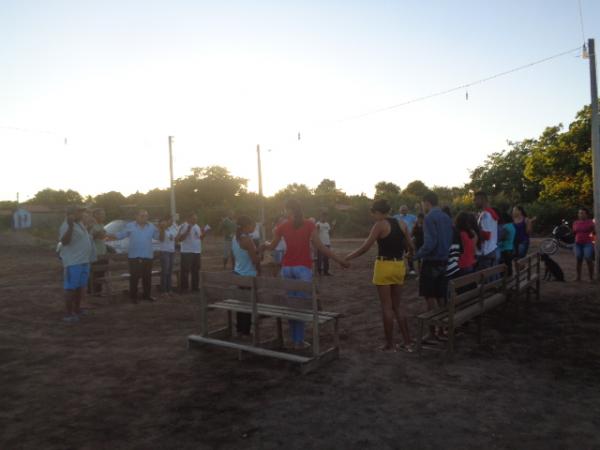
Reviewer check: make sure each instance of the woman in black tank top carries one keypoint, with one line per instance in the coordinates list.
(388, 276)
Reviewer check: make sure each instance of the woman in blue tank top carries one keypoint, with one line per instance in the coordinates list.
(247, 263)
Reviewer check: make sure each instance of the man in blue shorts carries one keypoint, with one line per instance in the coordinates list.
(75, 252)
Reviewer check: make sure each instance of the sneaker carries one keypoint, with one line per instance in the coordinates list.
(71, 319)
(412, 272)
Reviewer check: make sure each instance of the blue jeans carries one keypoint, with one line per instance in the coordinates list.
(297, 273)
(166, 271)
(584, 251)
(522, 249)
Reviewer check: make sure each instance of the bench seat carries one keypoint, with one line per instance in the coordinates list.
(282, 312)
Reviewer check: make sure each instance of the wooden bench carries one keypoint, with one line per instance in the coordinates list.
(469, 297)
(117, 270)
(264, 298)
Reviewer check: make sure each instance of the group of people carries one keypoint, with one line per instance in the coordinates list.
(83, 248)
(443, 248)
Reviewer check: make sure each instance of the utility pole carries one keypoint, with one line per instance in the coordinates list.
(260, 194)
(595, 149)
(173, 208)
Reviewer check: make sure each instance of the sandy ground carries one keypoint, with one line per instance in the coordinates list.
(123, 377)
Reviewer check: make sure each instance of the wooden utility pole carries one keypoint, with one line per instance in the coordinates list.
(260, 194)
(595, 149)
(173, 208)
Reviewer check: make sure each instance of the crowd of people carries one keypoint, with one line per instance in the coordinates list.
(432, 242)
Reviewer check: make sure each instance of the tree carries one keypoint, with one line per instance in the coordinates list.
(111, 202)
(52, 197)
(326, 187)
(416, 188)
(386, 189)
(561, 162)
(208, 187)
(502, 174)
(294, 190)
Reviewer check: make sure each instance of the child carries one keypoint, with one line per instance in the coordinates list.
(247, 261)
(324, 229)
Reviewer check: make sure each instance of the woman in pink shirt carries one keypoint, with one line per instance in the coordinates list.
(583, 228)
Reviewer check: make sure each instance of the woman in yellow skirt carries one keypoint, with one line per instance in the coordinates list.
(393, 242)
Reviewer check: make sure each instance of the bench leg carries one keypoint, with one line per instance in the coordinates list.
(336, 333)
(230, 323)
(479, 328)
(279, 332)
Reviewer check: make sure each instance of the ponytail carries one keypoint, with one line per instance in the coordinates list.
(294, 206)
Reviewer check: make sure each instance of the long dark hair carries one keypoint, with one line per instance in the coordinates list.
(522, 210)
(294, 206)
(241, 222)
(463, 222)
(473, 225)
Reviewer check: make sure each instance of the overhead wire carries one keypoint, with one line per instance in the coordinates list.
(462, 86)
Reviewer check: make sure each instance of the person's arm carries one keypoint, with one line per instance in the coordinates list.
(368, 243)
(247, 244)
(121, 234)
(267, 246)
(68, 235)
(430, 239)
(182, 236)
(409, 242)
(314, 237)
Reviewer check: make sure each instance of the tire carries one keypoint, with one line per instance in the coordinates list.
(549, 246)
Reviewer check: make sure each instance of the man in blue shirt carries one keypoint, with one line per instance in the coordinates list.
(409, 220)
(140, 233)
(434, 252)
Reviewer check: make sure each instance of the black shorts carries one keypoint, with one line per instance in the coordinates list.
(433, 282)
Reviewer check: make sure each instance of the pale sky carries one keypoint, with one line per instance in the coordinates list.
(115, 78)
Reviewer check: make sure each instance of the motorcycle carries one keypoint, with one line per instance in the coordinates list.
(562, 237)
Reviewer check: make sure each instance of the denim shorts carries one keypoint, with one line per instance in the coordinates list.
(297, 273)
(584, 251)
(76, 276)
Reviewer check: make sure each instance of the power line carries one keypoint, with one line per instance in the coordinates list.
(462, 86)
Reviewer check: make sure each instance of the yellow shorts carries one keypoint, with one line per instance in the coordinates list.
(388, 272)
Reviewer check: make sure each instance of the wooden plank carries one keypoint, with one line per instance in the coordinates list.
(284, 308)
(266, 311)
(465, 280)
(195, 339)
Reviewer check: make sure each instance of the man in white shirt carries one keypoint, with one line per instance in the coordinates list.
(76, 252)
(190, 236)
(324, 229)
(488, 232)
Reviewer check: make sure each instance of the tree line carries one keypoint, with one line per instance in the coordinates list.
(551, 176)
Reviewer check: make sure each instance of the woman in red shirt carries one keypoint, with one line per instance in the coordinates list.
(298, 234)
(584, 229)
(468, 239)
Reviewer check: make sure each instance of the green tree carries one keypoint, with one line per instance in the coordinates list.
(503, 174)
(111, 202)
(416, 188)
(561, 162)
(53, 197)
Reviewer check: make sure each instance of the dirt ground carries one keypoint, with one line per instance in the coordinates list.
(123, 377)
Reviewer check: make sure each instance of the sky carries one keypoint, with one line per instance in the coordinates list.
(90, 91)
